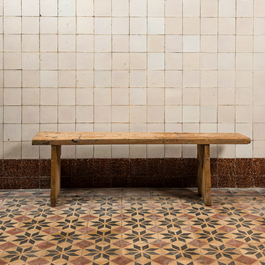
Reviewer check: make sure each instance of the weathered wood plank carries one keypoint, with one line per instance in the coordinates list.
(205, 174)
(95, 138)
(200, 155)
(55, 173)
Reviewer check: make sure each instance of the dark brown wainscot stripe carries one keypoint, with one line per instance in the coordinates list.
(259, 166)
(138, 167)
(68, 168)
(84, 167)
(1, 168)
(189, 173)
(102, 167)
(244, 166)
(30, 167)
(120, 172)
(226, 166)
(45, 167)
(214, 172)
(11, 183)
(30, 182)
(45, 182)
(12, 168)
(156, 172)
(120, 167)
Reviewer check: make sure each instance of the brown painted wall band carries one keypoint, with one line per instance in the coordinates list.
(104, 173)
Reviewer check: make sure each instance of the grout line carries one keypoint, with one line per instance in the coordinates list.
(182, 77)
(200, 71)
(111, 71)
(75, 107)
(147, 77)
(40, 68)
(164, 70)
(253, 82)
(57, 70)
(217, 81)
(21, 84)
(2, 154)
(94, 74)
(129, 68)
(235, 85)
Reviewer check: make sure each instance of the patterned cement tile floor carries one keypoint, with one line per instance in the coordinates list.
(132, 226)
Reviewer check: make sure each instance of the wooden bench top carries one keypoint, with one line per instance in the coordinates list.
(90, 138)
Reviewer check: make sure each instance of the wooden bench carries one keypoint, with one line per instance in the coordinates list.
(203, 141)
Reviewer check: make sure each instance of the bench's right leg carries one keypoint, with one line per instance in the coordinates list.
(204, 173)
(55, 173)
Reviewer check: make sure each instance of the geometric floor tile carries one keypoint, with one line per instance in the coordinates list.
(132, 226)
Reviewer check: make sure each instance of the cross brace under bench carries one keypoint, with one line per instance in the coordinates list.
(203, 141)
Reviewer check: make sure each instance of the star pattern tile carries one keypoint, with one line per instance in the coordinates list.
(132, 226)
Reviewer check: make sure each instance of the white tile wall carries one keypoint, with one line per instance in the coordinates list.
(131, 65)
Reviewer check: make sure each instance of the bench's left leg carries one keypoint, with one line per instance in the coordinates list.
(204, 173)
(55, 173)
(200, 156)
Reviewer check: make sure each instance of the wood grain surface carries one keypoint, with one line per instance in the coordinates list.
(55, 173)
(204, 173)
(89, 138)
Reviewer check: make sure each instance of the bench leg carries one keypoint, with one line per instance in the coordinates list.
(55, 173)
(204, 173)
